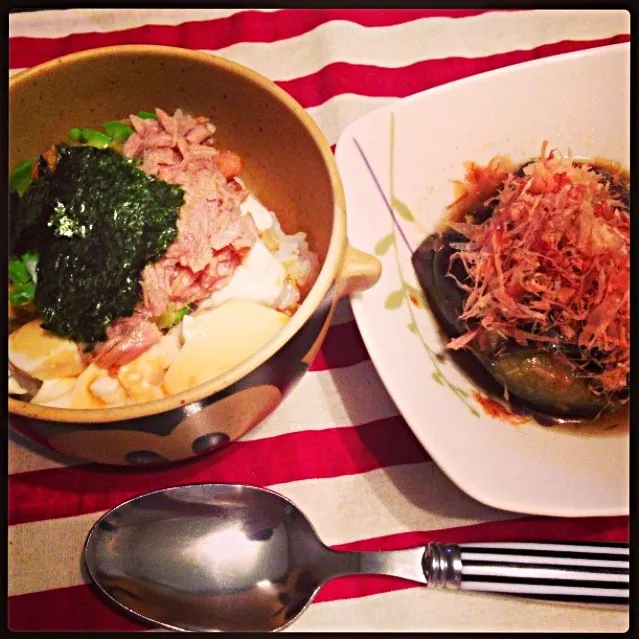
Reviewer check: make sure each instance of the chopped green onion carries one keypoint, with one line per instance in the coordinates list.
(22, 273)
(95, 138)
(90, 137)
(172, 317)
(18, 271)
(21, 176)
(147, 115)
(30, 260)
(22, 294)
(117, 131)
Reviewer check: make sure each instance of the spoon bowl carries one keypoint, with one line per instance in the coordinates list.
(239, 558)
(228, 557)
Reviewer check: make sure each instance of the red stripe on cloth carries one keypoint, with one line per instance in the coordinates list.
(333, 452)
(81, 608)
(341, 77)
(343, 346)
(524, 528)
(247, 26)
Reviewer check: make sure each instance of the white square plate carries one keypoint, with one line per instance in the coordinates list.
(415, 148)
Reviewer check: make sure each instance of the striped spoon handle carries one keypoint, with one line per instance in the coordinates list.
(584, 572)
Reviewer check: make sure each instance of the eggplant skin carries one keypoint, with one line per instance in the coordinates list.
(538, 382)
(546, 382)
(446, 300)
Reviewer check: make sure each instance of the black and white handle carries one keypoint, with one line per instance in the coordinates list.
(585, 572)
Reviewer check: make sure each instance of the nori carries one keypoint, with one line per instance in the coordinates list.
(96, 220)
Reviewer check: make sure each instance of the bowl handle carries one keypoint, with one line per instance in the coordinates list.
(358, 272)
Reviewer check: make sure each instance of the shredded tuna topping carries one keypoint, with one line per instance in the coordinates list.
(212, 238)
(212, 235)
(551, 266)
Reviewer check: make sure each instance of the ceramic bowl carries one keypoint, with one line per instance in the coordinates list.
(290, 168)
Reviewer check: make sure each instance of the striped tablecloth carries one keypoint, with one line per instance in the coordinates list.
(337, 446)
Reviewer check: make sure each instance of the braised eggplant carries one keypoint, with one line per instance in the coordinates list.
(539, 381)
(545, 378)
(545, 382)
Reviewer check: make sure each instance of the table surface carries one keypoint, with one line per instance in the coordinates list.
(350, 463)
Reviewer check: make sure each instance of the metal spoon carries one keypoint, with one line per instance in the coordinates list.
(239, 558)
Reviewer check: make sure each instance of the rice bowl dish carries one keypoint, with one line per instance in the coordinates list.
(182, 278)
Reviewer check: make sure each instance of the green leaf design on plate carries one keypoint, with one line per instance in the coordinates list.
(381, 248)
(402, 209)
(394, 300)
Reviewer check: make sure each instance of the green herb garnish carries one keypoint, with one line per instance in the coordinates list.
(117, 131)
(147, 115)
(21, 176)
(22, 294)
(75, 134)
(91, 137)
(171, 317)
(23, 276)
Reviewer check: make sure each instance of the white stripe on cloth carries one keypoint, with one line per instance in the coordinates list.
(317, 403)
(333, 115)
(423, 39)
(387, 501)
(25, 456)
(421, 609)
(61, 23)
